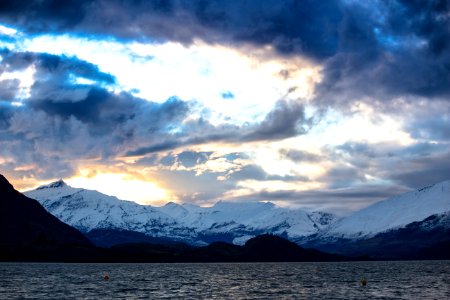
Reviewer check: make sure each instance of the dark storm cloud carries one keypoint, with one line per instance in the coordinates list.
(54, 79)
(369, 50)
(286, 119)
(193, 132)
(56, 94)
(62, 121)
(52, 68)
(388, 49)
(49, 138)
(47, 15)
(307, 27)
(379, 49)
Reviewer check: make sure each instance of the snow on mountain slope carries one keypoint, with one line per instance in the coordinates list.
(88, 210)
(256, 216)
(395, 212)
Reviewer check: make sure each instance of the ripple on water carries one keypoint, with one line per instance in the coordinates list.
(386, 280)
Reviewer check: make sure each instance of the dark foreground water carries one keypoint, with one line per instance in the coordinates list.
(386, 280)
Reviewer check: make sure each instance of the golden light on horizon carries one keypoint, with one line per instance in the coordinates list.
(123, 186)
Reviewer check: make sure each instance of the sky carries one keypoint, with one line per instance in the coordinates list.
(321, 105)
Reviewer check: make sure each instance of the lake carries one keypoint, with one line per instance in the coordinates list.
(340, 280)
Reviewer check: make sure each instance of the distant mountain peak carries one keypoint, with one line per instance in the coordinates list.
(57, 184)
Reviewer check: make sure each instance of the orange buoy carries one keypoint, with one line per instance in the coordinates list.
(106, 277)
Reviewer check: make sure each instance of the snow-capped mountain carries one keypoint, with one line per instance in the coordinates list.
(409, 226)
(89, 210)
(258, 216)
(393, 213)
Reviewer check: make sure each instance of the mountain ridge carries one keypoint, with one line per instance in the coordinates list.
(376, 226)
(393, 213)
(414, 225)
(424, 239)
(89, 210)
(29, 233)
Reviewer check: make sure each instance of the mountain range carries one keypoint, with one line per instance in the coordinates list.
(415, 225)
(94, 213)
(406, 226)
(29, 233)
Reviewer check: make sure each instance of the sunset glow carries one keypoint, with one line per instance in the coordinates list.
(177, 107)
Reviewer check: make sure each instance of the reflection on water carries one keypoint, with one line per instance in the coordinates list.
(385, 280)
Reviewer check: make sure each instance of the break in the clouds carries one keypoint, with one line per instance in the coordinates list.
(317, 104)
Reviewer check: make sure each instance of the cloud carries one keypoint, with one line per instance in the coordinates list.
(412, 166)
(191, 158)
(343, 176)
(5, 114)
(287, 119)
(421, 171)
(209, 180)
(60, 66)
(227, 95)
(366, 51)
(434, 128)
(186, 159)
(300, 156)
(255, 172)
(38, 16)
(381, 57)
(338, 200)
(304, 27)
(63, 122)
(9, 89)
(428, 121)
(190, 187)
(392, 55)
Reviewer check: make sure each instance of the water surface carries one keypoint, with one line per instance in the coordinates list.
(386, 280)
